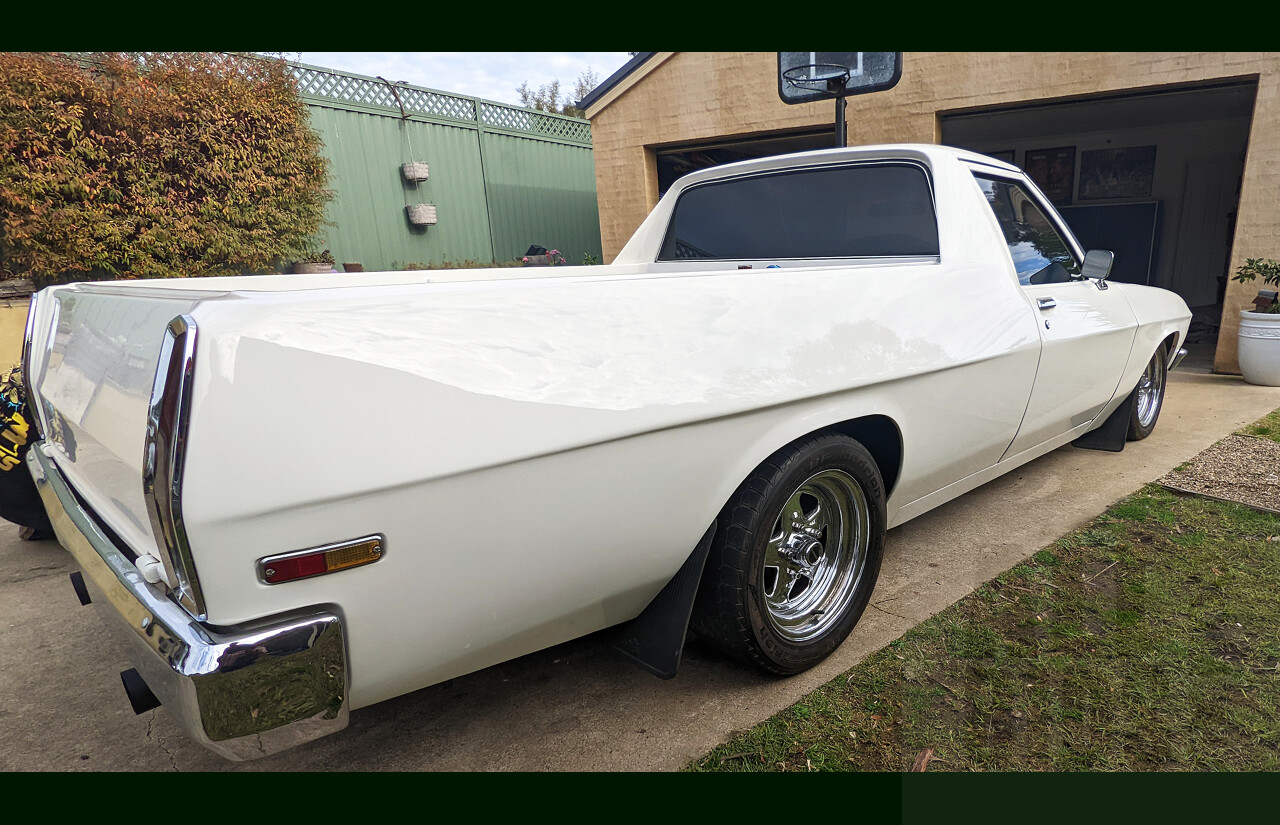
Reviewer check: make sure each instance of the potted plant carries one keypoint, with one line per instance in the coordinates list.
(314, 262)
(537, 256)
(1259, 345)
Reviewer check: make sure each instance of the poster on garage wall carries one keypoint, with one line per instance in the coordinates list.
(1117, 173)
(1054, 171)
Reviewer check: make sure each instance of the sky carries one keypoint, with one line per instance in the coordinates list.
(490, 75)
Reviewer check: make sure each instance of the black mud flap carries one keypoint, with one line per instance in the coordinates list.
(654, 640)
(1114, 432)
(19, 501)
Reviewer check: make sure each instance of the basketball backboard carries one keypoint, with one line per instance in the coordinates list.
(801, 75)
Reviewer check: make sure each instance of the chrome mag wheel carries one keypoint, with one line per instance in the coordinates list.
(795, 555)
(1150, 393)
(815, 556)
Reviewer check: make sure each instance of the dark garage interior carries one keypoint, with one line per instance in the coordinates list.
(1154, 177)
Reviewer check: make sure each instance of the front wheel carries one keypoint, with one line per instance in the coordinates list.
(795, 562)
(1148, 398)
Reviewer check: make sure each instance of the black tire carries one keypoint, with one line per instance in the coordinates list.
(1147, 398)
(781, 593)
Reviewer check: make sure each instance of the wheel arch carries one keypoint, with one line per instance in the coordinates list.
(1163, 338)
(654, 640)
(882, 437)
(1170, 344)
(1144, 349)
(1111, 427)
(735, 609)
(878, 432)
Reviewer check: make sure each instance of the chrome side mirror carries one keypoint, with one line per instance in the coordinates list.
(1097, 264)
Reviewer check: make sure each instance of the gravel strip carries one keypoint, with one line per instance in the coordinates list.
(1239, 468)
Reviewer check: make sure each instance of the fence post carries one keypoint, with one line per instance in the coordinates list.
(484, 179)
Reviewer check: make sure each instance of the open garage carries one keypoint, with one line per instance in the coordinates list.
(1172, 160)
(1153, 176)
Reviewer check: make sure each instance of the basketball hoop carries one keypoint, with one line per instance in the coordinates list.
(831, 78)
(805, 77)
(819, 77)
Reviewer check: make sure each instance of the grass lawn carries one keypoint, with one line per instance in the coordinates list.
(1268, 427)
(1147, 640)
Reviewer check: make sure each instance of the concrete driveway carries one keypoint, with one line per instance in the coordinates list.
(576, 706)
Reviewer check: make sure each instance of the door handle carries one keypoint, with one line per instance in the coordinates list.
(1046, 303)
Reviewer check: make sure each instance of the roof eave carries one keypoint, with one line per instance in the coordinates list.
(620, 81)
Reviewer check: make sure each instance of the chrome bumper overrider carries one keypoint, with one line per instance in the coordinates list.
(1177, 358)
(243, 692)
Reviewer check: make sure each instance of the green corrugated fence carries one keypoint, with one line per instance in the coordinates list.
(501, 177)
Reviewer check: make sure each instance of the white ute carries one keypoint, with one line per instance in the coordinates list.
(301, 495)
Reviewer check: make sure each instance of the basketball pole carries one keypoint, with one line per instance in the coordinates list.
(840, 137)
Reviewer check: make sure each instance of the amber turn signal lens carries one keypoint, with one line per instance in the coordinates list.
(317, 561)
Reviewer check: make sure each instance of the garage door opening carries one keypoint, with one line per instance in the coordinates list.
(1153, 176)
(675, 162)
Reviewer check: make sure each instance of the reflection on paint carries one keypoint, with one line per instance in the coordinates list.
(721, 339)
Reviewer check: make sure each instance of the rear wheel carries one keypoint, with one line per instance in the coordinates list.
(793, 566)
(1148, 398)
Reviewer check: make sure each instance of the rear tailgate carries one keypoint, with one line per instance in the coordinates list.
(94, 353)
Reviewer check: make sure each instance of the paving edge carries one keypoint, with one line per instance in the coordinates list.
(1186, 492)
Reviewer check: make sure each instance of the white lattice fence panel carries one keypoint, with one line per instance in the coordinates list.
(314, 82)
(346, 89)
(578, 130)
(506, 117)
(528, 120)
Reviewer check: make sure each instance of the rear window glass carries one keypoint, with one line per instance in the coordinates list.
(842, 212)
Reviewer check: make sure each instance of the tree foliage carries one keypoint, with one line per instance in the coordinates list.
(547, 97)
(153, 165)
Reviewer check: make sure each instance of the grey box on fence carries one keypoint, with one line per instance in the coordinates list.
(421, 214)
(414, 171)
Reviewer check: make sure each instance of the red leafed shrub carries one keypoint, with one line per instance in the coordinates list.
(153, 166)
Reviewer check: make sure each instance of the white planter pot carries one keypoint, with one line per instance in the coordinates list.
(1259, 350)
(421, 214)
(414, 171)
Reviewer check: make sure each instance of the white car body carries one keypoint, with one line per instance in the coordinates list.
(542, 449)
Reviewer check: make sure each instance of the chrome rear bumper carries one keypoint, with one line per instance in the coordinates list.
(242, 692)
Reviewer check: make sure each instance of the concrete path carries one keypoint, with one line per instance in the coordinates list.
(576, 706)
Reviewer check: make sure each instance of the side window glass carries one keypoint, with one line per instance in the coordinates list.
(1040, 255)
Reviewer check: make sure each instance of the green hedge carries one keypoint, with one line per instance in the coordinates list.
(153, 165)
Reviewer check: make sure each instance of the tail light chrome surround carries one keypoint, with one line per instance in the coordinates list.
(162, 461)
(28, 376)
(27, 343)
